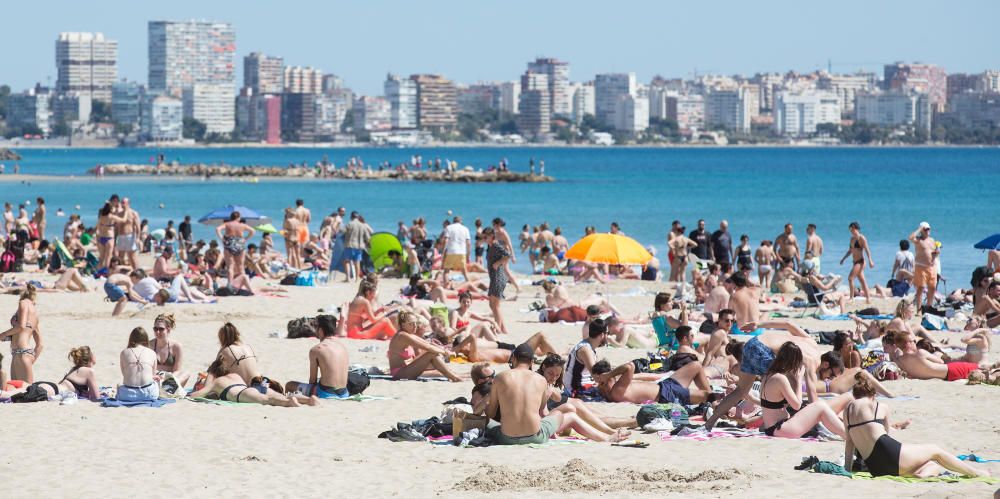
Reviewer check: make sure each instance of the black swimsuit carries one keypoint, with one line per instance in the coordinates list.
(884, 458)
(767, 404)
(81, 390)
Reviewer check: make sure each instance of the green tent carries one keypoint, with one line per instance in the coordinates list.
(380, 245)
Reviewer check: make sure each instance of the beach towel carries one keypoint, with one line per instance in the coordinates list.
(420, 378)
(844, 317)
(143, 403)
(942, 478)
(702, 435)
(977, 459)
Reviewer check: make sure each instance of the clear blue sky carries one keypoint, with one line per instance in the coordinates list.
(473, 40)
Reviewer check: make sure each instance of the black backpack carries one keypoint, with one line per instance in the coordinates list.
(34, 393)
(357, 382)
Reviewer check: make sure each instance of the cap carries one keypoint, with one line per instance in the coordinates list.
(524, 353)
(924, 225)
(651, 249)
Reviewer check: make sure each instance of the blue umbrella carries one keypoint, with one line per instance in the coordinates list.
(220, 215)
(990, 243)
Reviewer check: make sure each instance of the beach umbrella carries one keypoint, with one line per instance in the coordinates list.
(609, 248)
(266, 228)
(990, 243)
(379, 247)
(219, 216)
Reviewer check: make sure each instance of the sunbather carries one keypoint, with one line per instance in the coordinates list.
(623, 384)
(169, 353)
(411, 356)
(230, 386)
(328, 364)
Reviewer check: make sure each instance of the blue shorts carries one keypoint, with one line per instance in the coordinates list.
(323, 392)
(757, 357)
(114, 291)
(671, 390)
(353, 254)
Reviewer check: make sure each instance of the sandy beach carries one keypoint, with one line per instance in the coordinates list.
(194, 449)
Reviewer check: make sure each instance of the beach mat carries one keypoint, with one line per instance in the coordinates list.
(144, 403)
(421, 378)
(845, 317)
(702, 435)
(977, 459)
(942, 478)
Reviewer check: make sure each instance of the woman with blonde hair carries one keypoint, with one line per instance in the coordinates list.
(23, 331)
(411, 356)
(137, 362)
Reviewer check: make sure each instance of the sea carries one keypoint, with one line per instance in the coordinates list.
(889, 191)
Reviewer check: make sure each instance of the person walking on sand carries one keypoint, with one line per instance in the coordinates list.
(38, 218)
(357, 234)
(497, 257)
(721, 244)
(925, 252)
(234, 234)
(457, 248)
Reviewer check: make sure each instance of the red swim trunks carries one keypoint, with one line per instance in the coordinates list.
(960, 370)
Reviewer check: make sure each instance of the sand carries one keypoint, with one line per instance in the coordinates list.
(202, 450)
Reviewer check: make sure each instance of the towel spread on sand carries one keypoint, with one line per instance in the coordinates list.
(977, 459)
(420, 378)
(844, 317)
(942, 478)
(359, 397)
(143, 403)
(702, 435)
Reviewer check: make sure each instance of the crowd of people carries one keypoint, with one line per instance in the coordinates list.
(721, 353)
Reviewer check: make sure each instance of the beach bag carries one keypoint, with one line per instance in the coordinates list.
(933, 323)
(648, 413)
(868, 312)
(303, 327)
(305, 279)
(463, 422)
(357, 382)
(7, 261)
(288, 280)
(34, 393)
(449, 411)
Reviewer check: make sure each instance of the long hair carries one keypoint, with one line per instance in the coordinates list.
(228, 334)
(139, 336)
(29, 293)
(863, 386)
(787, 361)
(553, 360)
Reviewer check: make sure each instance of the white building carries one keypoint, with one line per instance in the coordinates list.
(213, 105)
(263, 74)
(846, 87)
(893, 109)
(797, 114)
(632, 114)
(687, 110)
(558, 77)
(658, 101)
(162, 119)
(730, 109)
(990, 81)
(608, 88)
(372, 114)
(401, 93)
(583, 101)
(185, 53)
(510, 98)
(126, 102)
(30, 108)
(87, 64)
(303, 80)
(534, 121)
(973, 110)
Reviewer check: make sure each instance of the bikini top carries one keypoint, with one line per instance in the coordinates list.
(80, 389)
(767, 404)
(170, 357)
(880, 421)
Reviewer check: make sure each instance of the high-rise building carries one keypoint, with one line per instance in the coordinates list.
(688, 110)
(990, 82)
(924, 78)
(534, 119)
(436, 102)
(303, 80)
(893, 109)
(558, 76)
(162, 118)
(584, 101)
(70, 108)
(126, 102)
(185, 53)
(729, 108)
(477, 98)
(846, 87)
(258, 117)
(976, 110)
(264, 74)
(769, 84)
(213, 105)
(632, 113)
(87, 64)
(608, 88)
(658, 100)
(510, 98)
(371, 114)
(797, 114)
(312, 117)
(332, 83)
(402, 96)
(30, 109)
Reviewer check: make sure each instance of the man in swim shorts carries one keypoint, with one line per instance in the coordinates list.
(328, 363)
(518, 394)
(623, 384)
(921, 364)
(357, 234)
(118, 289)
(925, 251)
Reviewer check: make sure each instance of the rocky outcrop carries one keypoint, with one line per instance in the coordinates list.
(9, 155)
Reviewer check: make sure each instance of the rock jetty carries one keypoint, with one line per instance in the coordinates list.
(9, 155)
(468, 174)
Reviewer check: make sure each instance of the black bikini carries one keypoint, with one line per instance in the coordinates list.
(171, 360)
(767, 404)
(225, 391)
(81, 390)
(884, 458)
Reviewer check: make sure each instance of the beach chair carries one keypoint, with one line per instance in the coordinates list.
(814, 298)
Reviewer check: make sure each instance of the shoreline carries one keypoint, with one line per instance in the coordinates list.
(475, 145)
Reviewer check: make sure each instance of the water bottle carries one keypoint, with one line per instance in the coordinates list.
(675, 413)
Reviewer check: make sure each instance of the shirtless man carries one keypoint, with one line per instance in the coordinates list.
(787, 248)
(925, 251)
(680, 245)
(119, 290)
(8, 218)
(623, 384)
(328, 362)
(814, 245)
(745, 300)
(520, 394)
(38, 217)
(303, 213)
(756, 356)
(718, 297)
(921, 364)
(126, 232)
(162, 268)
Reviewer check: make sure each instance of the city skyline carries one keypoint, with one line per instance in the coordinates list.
(720, 45)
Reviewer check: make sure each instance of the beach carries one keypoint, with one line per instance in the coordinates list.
(202, 450)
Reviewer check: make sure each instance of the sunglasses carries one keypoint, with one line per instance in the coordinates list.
(158, 329)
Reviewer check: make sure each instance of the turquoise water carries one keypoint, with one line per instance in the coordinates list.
(888, 190)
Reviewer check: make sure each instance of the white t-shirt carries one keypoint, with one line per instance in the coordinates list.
(458, 236)
(904, 260)
(146, 288)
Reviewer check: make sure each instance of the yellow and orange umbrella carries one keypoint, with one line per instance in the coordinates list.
(609, 248)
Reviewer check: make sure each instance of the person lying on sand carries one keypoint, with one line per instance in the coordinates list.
(479, 350)
(867, 424)
(917, 363)
(229, 386)
(521, 395)
(834, 378)
(328, 364)
(623, 384)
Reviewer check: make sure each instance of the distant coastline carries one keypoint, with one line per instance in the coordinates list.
(486, 145)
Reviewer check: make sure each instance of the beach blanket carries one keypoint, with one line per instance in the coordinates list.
(702, 435)
(448, 440)
(942, 478)
(359, 397)
(844, 317)
(420, 378)
(144, 403)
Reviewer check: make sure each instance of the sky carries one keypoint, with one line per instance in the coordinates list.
(488, 40)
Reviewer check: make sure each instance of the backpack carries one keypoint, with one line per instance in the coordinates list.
(303, 327)
(7, 261)
(357, 382)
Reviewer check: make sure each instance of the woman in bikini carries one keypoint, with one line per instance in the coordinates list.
(480, 350)
(230, 386)
(867, 425)
(290, 230)
(410, 356)
(364, 322)
(241, 359)
(552, 370)
(462, 318)
(169, 354)
(781, 388)
(137, 363)
(234, 234)
(858, 250)
(22, 333)
(81, 379)
(905, 312)
(106, 221)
